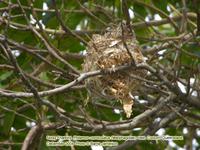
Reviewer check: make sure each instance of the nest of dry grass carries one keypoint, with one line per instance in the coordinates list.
(109, 51)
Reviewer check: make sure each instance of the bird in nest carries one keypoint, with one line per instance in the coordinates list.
(117, 46)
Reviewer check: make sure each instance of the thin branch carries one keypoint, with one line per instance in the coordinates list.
(52, 50)
(149, 131)
(82, 77)
(23, 77)
(90, 13)
(159, 11)
(32, 139)
(65, 28)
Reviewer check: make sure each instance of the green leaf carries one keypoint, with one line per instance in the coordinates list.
(9, 119)
(160, 4)
(42, 144)
(139, 10)
(5, 75)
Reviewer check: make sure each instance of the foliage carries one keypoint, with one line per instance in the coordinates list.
(42, 91)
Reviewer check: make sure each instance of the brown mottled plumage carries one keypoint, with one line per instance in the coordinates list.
(109, 51)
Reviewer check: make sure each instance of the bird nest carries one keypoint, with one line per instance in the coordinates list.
(115, 48)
